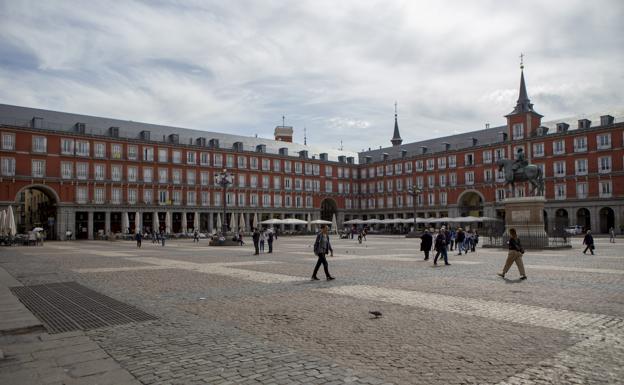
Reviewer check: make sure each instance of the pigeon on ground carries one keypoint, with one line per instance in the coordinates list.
(376, 313)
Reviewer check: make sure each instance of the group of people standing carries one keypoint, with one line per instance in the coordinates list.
(260, 237)
(157, 237)
(445, 241)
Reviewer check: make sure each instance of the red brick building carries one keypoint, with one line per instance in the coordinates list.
(93, 175)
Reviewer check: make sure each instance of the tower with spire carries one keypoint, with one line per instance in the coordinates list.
(396, 137)
(523, 121)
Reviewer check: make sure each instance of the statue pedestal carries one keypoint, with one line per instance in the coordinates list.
(526, 215)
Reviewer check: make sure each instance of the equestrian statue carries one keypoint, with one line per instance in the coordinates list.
(520, 170)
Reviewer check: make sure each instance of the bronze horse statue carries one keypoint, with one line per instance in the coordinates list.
(530, 173)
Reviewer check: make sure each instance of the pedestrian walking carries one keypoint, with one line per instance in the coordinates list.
(138, 236)
(154, 237)
(256, 240)
(453, 239)
(460, 237)
(514, 255)
(321, 247)
(426, 240)
(588, 241)
(262, 240)
(440, 247)
(162, 238)
(240, 238)
(196, 236)
(270, 241)
(612, 235)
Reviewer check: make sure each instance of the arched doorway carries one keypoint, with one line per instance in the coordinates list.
(583, 218)
(470, 203)
(36, 207)
(329, 208)
(561, 220)
(607, 219)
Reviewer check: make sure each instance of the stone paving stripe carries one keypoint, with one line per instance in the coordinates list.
(118, 269)
(575, 269)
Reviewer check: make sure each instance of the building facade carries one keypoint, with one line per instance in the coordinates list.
(62, 174)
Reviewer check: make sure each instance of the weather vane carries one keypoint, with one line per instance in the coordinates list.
(521, 61)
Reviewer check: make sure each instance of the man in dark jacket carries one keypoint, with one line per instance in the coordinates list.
(426, 240)
(440, 247)
(589, 242)
(321, 248)
(256, 240)
(270, 240)
(459, 239)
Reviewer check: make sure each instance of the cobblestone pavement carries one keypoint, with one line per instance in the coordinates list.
(229, 317)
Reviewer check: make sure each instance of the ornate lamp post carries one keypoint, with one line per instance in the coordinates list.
(224, 179)
(414, 192)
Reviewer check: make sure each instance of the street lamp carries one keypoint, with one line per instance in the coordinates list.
(224, 179)
(414, 192)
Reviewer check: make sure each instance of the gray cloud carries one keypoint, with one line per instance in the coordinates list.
(333, 67)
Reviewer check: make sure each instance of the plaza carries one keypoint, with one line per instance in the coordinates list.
(222, 315)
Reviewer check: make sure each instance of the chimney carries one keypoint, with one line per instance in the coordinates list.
(36, 122)
(213, 143)
(283, 133)
(342, 158)
(584, 123)
(174, 138)
(562, 127)
(606, 120)
(474, 141)
(144, 135)
(350, 160)
(323, 156)
(113, 132)
(261, 148)
(200, 142)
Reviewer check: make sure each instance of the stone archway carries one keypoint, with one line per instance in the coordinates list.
(583, 218)
(607, 219)
(470, 203)
(561, 220)
(37, 207)
(329, 208)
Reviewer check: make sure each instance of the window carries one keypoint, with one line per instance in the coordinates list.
(176, 176)
(67, 146)
(559, 169)
(116, 151)
(266, 200)
(148, 154)
(191, 157)
(605, 189)
(254, 181)
(116, 172)
(329, 171)
(163, 155)
(132, 152)
(204, 159)
(277, 201)
(205, 198)
(419, 166)
(276, 165)
(518, 131)
(328, 186)
(487, 176)
(468, 159)
(163, 175)
(581, 190)
(190, 198)
(266, 164)
(443, 180)
(297, 168)
(81, 194)
(452, 160)
(487, 156)
(538, 149)
(163, 197)
(430, 164)
(82, 171)
(266, 184)
(398, 168)
(99, 195)
(241, 161)
(431, 199)
(217, 200)
(604, 164)
(8, 167)
(99, 150)
(82, 148)
(580, 144)
(176, 156)
(443, 198)
(116, 195)
(277, 183)
(580, 166)
(431, 181)
(229, 161)
(500, 194)
(500, 176)
(604, 141)
(8, 141)
(241, 199)
(499, 153)
(190, 177)
(147, 174)
(408, 167)
(253, 163)
(132, 196)
(204, 178)
(389, 185)
(309, 202)
(132, 174)
(177, 197)
(286, 183)
(38, 168)
(560, 191)
(100, 171)
(470, 178)
(39, 144)
(452, 179)
(388, 169)
(558, 147)
(218, 160)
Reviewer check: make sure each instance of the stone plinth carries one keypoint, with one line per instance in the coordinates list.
(526, 215)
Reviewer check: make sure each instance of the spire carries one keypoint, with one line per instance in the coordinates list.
(523, 104)
(396, 137)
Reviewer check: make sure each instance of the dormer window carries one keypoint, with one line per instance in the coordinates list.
(518, 131)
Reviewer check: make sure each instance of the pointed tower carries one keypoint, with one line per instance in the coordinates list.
(396, 137)
(523, 121)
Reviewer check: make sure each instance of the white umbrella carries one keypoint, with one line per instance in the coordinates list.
(354, 222)
(219, 221)
(232, 222)
(334, 224)
(184, 222)
(322, 222)
(2, 221)
(241, 222)
(37, 229)
(11, 228)
(137, 223)
(309, 223)
(155, 223)
(196, 221)
(168, 223)
(294, 221)
(125, 223)
(273, 221)
(255, 220)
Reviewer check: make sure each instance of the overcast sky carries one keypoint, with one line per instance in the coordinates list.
(335, 67)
